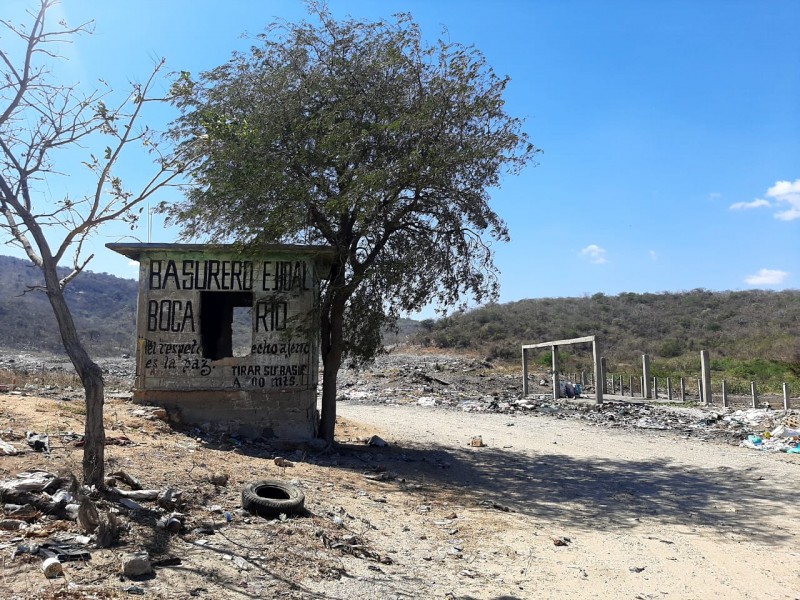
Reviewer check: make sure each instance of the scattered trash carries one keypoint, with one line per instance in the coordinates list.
(12, 524)
(63, 552)
(270, 498)
(477, 442)
(123, 477)
(172, 522)
(383, 476)
(51, 568)
(40, 442)
(29, 481)
(783, 438)
(636, 569)
(495, 505)
(561, 541)
(377, 441)
(128, 503)
(7, 449)
(169, 498)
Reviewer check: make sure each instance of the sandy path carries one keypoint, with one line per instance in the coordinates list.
(648, 514)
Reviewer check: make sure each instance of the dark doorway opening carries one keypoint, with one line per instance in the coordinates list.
(217, 324)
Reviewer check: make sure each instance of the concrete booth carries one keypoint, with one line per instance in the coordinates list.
(228, 341)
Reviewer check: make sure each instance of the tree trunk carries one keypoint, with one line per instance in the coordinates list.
(91, 377)
(332, 334)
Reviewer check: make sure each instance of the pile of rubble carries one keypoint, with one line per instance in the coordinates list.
(476, 386)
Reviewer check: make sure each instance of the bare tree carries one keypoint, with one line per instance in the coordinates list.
(39, 116)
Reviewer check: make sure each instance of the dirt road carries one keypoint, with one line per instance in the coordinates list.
(640, 514)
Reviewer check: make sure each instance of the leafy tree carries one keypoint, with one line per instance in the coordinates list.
(359, 136)
(39, 117)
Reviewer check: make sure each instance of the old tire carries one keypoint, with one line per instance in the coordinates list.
(270, 498)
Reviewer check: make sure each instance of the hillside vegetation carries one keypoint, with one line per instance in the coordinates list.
(103, 306)
(750, 334)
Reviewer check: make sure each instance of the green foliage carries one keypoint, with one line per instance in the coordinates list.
(752, 335)
(359, 136)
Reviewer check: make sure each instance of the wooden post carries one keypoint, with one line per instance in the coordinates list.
(683, 390)
(724, 394)
(524, 372)
(613, 385)
(621, 385)
(785, 396)
(655, 388)
(669, 389)
(753, 393)
(630, 384)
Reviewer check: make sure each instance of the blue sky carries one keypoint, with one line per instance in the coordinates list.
(670, 129)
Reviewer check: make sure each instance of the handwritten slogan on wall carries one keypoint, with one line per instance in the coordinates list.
(186, 323)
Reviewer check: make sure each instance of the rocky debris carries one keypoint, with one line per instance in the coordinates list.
(470, 385)
(136, 564)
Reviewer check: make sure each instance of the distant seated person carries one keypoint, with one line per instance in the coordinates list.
(569, 389)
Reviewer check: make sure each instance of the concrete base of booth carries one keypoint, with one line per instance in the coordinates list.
(284, 415)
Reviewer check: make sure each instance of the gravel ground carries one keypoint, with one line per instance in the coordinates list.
(480, 493)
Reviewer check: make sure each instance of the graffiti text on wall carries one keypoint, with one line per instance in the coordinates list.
(227, 275)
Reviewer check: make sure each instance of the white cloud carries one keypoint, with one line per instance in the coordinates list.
(766, 277)
(594, 253)
(653, 255)
(757, 203)
(786, 193)
(133, 263)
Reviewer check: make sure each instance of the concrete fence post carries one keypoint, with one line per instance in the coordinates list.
(700, 391)
(724, 394)
(785, 396)
(598, 367)
(669, 389)
(655, 388)
(604, 375)
(705, 365)
(556, 386)
(753, 393)
(646, 391)
(524, 372)
(683, 390)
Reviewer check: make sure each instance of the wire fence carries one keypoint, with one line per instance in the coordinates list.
(734, 393)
